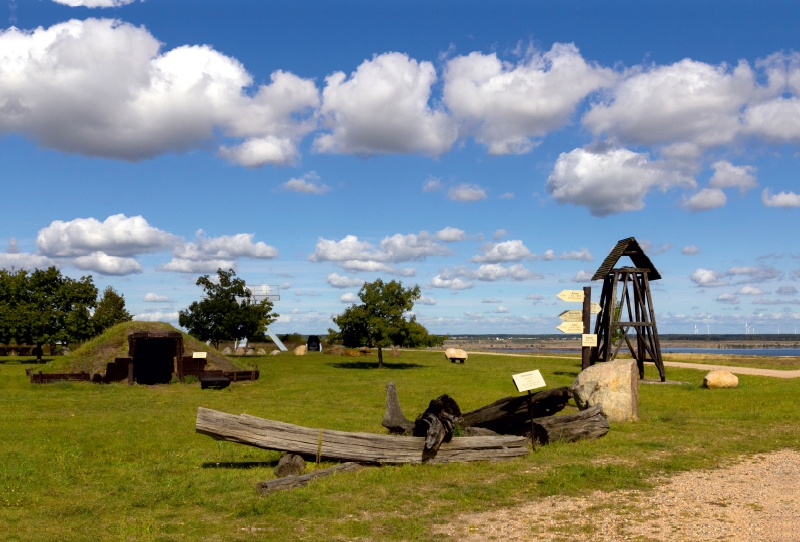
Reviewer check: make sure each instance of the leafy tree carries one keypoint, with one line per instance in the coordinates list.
(227, 311)
(12, 294)
(110, 311)
(380, 320)
(52, 308)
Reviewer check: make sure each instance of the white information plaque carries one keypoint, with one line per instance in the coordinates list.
(200, 355)
(588, 339)
(528, 381)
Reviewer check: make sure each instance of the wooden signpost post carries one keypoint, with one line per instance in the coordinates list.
(579, 321)
(527, 382)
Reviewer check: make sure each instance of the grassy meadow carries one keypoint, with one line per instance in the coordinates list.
(83, 461)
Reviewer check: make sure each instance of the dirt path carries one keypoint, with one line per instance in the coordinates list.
(681, 365)
(756, 499)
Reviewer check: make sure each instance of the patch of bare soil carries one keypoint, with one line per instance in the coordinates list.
(756, 499)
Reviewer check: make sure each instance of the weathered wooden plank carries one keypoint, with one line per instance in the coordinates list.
(357, 447)
(510, 415)
(587, 424)
(291, 482)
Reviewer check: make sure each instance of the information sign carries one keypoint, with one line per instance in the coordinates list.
(594, 308)
(528, 381)
(588, 339)
(571, 316)
(571, 295)
(571, 327)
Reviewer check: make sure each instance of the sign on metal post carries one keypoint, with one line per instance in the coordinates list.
(528, 381)
(571, 327)
(571, 295)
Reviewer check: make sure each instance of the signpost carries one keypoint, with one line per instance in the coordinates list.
(527, 382)
(579, 321)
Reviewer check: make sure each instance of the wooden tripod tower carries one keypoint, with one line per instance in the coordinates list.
(627, 305)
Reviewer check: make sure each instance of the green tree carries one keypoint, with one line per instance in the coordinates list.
(380, 320)
(13, 285)
(52, 308)
(227, 311)
(110, 311)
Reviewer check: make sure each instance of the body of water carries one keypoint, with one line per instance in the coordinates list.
(770, 352)
(735, 351)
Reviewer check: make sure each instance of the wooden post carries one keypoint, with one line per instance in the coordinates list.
(586, 351)
(130, 373)
(530, 411)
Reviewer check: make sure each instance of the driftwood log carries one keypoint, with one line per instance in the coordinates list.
(510, 415)
(357, 447)
(290, 465)
(291, 482)
(588, 424)
(394, 420)
(437, 422)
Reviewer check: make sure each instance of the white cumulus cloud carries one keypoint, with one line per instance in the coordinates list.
(107, 265)
(610, 181)
(506, 251)
(516, 272)
(339, 281)
(101, 87)
(466, 193)
(690, 250)
(506, 106)
(451, 235)
(151, 297)
(582, 276)
(157, 316)
(750, 290)
(728, 299)
(306, 184)
(424, 300)
(582, 254)
(706, 199)
(708, 278)
(94, 3)
(726, 175)
(782, 199)
(501, 310)
(383, 107)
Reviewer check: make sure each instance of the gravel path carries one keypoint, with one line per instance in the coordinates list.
(756, 499)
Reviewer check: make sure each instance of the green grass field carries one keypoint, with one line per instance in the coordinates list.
(111, 462)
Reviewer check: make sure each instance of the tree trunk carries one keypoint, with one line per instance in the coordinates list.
(380, 358)
(510, 416)
(437, 422)
(39, 352)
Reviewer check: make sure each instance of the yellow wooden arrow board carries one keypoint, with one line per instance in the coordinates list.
(571, 327)
(595, 308)
(571, 295)
(571, 316)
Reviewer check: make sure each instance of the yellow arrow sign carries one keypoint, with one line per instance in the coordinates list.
(595, 308)
(571, 316)
(571, 295)
(571, 327)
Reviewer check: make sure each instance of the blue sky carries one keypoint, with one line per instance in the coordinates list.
(491, 152)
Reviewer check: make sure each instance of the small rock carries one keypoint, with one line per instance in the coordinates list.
(301, 350)
(613, 384)
(720, 379)
(249, 352)
(290, 465)
(455, 354)
(261, 352)
(227, 351)
(274, 352)
(240, 351)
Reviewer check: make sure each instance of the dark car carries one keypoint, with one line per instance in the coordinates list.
(313, 344)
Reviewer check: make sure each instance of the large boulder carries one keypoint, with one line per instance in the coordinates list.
(612, 384)
(301, 350)
(240, 351)
(720, 379)
(455, 354)
(227, 351)
(274, 352)
(261, 352)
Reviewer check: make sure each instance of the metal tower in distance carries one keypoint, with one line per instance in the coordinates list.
(627, 305)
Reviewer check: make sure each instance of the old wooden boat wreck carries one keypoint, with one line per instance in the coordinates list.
(365, 448)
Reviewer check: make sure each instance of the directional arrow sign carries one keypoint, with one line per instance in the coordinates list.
(571, 295)
(571, 327)
(571, 316)
(594, 308)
